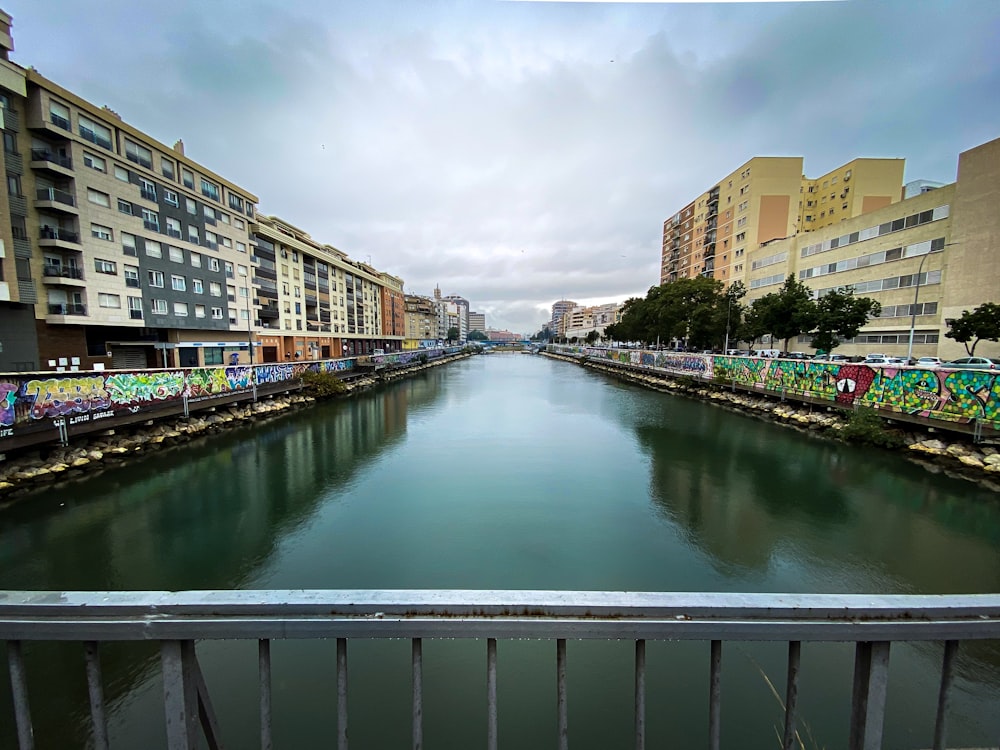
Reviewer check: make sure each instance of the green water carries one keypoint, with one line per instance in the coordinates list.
(510, 472)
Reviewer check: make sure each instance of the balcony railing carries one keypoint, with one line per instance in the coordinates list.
(59, 121)
(65, 272)
(40, 154)
(177, 619)
(135, 314)
(147, 194)
(74, 309)
(55, 195)
(153, 226)
(53, 233)
(176, 233)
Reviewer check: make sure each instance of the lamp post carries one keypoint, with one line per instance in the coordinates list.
(729, 310)
(913, 316)
(250, 330)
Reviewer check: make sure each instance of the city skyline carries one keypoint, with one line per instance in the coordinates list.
(522, 153)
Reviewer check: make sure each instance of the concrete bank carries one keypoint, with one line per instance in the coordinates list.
(978, 462)
(97, 451)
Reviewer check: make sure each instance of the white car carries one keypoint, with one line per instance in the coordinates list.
(929, 362)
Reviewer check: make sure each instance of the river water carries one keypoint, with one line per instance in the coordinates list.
(510, 472)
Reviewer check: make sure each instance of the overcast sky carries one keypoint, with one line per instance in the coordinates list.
(520, 152)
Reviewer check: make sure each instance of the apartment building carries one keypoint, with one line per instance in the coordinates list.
(925, 259)
(764, 199)
(315, 302)
(580, 321)
(126, 253)
(477, 322)
(560, 308)
(421, 321)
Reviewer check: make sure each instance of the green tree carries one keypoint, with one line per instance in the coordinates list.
(452, 334)
(840, 315)
(477, 336)
(592, 337)
(981, 323)
(789, 311)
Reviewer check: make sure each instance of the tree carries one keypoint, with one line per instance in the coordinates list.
(452, 334)
(840, 315)
(789, 311)
(477, 336)
(592, 337)
(981, 323)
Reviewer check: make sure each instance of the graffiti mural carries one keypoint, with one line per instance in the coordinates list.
(144, 387)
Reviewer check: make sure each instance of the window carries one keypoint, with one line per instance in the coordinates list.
(122, 174)
(231, 293)
(197, 286)
(167, 168)
(139, 154)
(223, 217)
(59, 115)
(241, 247)
(94, 162)
(215, 288)
(109, 300)
(239, 223)
(98, 198)
(155, 279)
(209, 214)
(101, 232)
(199, 311)
(244, 292)
(213, 264)
(105, 266)
(181, 309)
(94, 132)
(128, 244)
(147, 190)
(741, 222)
(153, 249)
(173, 227)
(209, 189)
(211, 240)
(226, 242)
(193, 235)
(9, 142)
(192, 205)
(216, 313)
(14, 184)
(235, 202)
(229, 270)
(178, 283)
(196, 260)
(135, 308)
(124, 207)
(151, 220)
(158, 306)
(244, 314)
(175, 254)
(170, 197)
(241, 270)
(131, 276)
(743, 206)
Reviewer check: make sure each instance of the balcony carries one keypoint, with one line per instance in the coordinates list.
(58, 237)
(60, 122)
(62, 276)
(268, 312)
(10, 120)
(56, 313)
(265, 273)
(96, 138)
(56, 163)
(55, 199)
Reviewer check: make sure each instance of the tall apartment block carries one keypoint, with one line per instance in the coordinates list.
(477, 322)
(315, 302)
(421, 320)
(925, 258)
(764, 199)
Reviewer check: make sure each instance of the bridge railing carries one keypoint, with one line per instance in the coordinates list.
(178, 619)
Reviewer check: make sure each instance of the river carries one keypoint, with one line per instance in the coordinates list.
(510, 471)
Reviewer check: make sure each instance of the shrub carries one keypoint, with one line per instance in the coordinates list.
(866, 427)
(321, 385)
(422, 358)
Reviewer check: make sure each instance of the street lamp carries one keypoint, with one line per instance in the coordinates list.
(913, 316)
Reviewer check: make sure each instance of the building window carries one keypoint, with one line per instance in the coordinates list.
(215, 288)
(192, 206)
(94, 132)
(173, 227)
(101, 232)
(180, 309)
(158, 306)
(131, 276)
(213, 264)
(128, 244)
(223, 217)
(209, 214)
(241, 270)
(155, 279)
(153, 249)
(135, 308)
(98, 198)
(209, 189)
(211, 240)
(151, 220)
(109, 300)
(124, 207)
(229, 270)
(196, 260)
(14, 184)
(199, 311)
(94, 162)
(175, 254)
(171, 198)
(216, 313)
(235, 202)
(239, 223)
(193, 235)
(59, 115)
(178, 283)
(122, 174)
(197, 286)
(105, 266)
(139, 154)
(167, 168)
(147, 190)
(9, 142)
(241, 247)
(187, 177)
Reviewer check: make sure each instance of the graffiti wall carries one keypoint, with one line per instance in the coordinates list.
(952, 395)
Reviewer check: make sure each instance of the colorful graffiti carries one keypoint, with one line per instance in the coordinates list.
(55, 397)
(144, 387)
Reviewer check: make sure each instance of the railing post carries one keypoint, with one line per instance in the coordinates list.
(491, 693)
(715, 697)
(944, 695)
(791, 693)
(640, 694)
(871, 676)
(417, 658)
(341, 694)
(561, 694)
(180, 698)
(96, 693)
(264, 677)
(19, 688)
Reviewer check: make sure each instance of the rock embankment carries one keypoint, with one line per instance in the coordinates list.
(973, 461)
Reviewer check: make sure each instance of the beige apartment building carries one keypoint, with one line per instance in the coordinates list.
(315, 302)
(764, 199)
(925, 259)
(421, 320)
(579, 321)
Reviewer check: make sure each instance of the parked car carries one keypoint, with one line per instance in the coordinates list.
(929, 362)
(796, 355)
(974, 363)
(830, 358)
(870, 360)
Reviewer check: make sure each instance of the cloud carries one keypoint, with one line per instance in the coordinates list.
(516, 153)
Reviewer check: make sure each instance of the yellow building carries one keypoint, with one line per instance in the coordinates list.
(421, 321)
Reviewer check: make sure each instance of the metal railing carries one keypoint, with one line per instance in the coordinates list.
(55, 195)
(177, 619)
